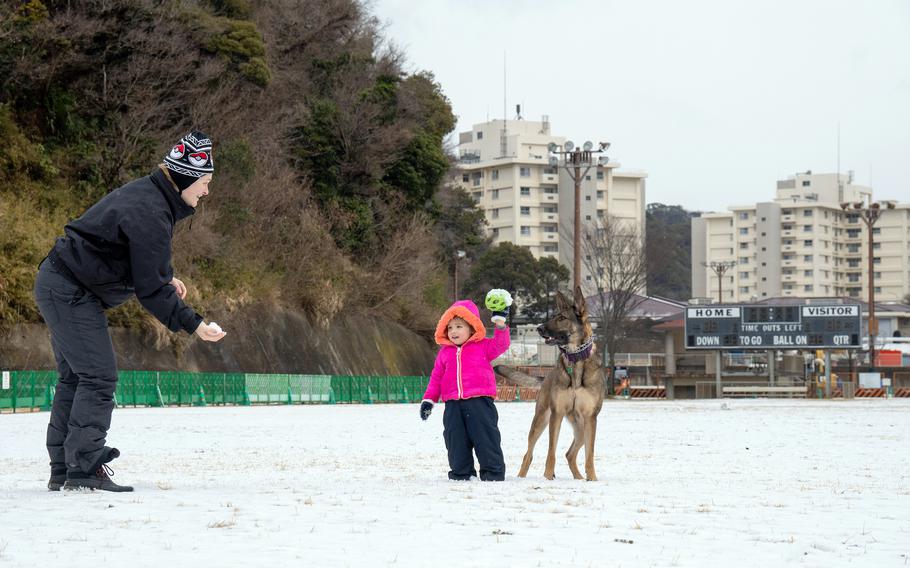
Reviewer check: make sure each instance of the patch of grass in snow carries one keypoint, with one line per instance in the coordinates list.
(164, 486)
(223, 524)
(642, 510)
(637, 526)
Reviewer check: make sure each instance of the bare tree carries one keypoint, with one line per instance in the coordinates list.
(614, 255)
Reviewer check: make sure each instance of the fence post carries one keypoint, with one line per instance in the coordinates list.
(48, 397)
(201, 397)
(290, 398)
(517, 394)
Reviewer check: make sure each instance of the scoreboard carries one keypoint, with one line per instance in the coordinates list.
(816, 326)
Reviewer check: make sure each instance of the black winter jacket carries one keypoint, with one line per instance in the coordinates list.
(122, 246)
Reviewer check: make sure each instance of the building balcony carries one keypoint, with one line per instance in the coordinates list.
(550, 236)
(549, 197)
(549, 178)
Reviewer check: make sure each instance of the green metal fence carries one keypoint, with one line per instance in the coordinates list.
(34, 390)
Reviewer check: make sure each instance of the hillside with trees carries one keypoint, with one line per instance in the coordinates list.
(329, 190)
(668, 250)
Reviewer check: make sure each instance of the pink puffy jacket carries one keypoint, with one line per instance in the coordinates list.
(465, 372)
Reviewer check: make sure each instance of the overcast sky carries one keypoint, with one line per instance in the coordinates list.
(716, 100)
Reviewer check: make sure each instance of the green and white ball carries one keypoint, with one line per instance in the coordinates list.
(498, 300)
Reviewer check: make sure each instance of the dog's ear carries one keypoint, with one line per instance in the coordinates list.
(581, 307)
(561, 302)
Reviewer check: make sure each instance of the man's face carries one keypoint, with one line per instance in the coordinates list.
(199, 188)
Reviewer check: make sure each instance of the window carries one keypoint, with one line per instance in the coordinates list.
(494, 213)
(764, 234)
(743, 289)
(878, 289)
(763, 219)
(550, 248)
(763, 249)
(876, 230)
(876, 260)
(494, 194)
(495, 175)
(807, 212)
(550, 190)
(480, 135)
(525, 172)
(808, 288)
(587, 217)
(526, 230)
(465, 178)
(743, 246)
(744, 231)
(588, 178)
(600, 175)
(806, 183)
(525, 211)
(744, 275)
(807, 258)
(807, 273)
(743, 260)
(495, 232)
(600, 213)
(743, 216)
(587, 198)
(877, 274)
(764, 264)
(477, 196)
(876, 245)
(600, 194)
(807, 243)
(526, 192)
(807, 228)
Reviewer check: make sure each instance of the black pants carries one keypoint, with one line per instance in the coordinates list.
(87, 368)
(472, 424)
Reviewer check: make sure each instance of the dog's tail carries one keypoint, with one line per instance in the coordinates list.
(516, 377)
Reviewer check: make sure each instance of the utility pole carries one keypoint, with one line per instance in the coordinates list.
(720, 267)
(573, 160)
(869, 214)
(459, 254)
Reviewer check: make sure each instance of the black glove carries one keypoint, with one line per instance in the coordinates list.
(426, 408)
(500, 317)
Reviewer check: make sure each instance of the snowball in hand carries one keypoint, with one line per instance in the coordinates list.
(215, 327)
(498, 300)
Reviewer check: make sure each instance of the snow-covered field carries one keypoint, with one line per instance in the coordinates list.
(700, 483)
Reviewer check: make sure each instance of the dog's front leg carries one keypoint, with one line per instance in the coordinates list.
(590, 436)
(555, 423)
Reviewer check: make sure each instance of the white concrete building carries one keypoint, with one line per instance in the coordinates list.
(802, 244)
(504, 166)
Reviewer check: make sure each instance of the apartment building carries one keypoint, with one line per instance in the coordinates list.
(803, 244)
(504, 165)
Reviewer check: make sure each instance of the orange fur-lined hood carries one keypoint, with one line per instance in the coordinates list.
(466, 310)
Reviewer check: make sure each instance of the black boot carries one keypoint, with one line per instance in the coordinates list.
(100, 479)
(58, 477)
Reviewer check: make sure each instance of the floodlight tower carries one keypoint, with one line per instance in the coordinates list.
(573, 159)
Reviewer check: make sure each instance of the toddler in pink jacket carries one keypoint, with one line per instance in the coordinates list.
(463, 378)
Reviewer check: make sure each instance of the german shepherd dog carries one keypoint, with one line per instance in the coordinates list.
(574, 389)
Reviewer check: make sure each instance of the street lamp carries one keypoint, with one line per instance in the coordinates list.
(720, 267)
(869, 214)
(459, 254)
(573, 160)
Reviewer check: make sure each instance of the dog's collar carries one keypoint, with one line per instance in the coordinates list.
(578, 354)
